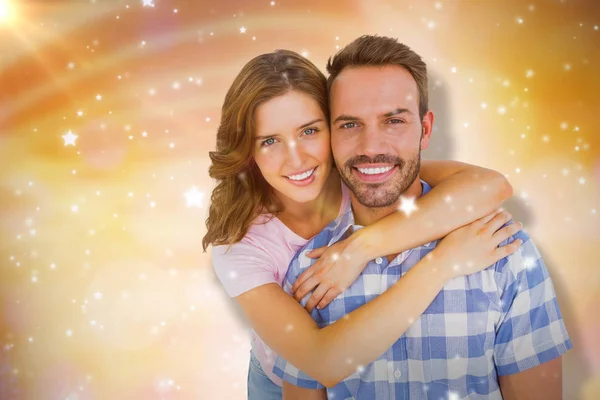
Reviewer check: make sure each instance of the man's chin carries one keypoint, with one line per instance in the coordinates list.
(375, 198)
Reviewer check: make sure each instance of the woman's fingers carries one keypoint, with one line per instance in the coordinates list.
(306, 287)
(507, 250)
(331, 294)
(317, 296)
(489, 217)
(305, 275)
(497, 222)
(502, 234)
(316, 253)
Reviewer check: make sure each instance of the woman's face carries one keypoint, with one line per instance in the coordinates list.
(292, 148)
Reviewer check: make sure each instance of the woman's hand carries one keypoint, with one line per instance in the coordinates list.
(336, 269)
(474, 247)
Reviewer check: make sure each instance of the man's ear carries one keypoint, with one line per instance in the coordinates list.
(426, 129)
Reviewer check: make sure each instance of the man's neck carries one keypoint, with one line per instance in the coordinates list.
(367, 215)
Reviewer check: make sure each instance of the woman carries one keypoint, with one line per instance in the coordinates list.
(274, 120)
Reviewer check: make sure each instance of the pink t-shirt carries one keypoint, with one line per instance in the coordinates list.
(261, 257)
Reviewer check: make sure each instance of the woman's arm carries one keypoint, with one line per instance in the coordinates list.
(460, 194)
(334, 352)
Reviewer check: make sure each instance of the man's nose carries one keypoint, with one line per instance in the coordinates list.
(372, 142)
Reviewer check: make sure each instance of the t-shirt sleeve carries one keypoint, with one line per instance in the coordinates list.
(242, 267)
(531, 330)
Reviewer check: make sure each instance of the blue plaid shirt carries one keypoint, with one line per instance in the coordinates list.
(499, 321)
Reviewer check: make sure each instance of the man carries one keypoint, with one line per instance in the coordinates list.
(491, 335)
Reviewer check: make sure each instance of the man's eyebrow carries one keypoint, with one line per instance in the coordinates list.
(345, 117)
(314, 121)
(398, 111)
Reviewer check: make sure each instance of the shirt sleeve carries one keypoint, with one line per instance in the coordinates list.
(243, 267)
(531, 330)
(283, 368)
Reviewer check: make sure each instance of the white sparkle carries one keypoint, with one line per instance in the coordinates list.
(98, 295)
(530, 73)
(483, 105)
(520, 20)
(272, 3)
(194, 197)
(529, 262)
(407, 205)
(69, 138)
(79, 113)
(501, 110)
(69, 332)
(148, 3)
(453, 69)
(74, 208)
(242, 30)
(98, 97)
(582, 181)
(567, 67)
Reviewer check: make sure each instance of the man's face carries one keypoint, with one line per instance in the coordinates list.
(376, 132)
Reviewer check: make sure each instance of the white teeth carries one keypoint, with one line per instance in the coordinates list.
(302, 176)
(374, 171)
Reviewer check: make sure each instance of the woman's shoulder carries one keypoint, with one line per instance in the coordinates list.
(255, 243)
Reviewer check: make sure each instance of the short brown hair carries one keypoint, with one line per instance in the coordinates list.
(379, 51)
(242, 193)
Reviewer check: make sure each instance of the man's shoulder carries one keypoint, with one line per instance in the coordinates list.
(527, 258)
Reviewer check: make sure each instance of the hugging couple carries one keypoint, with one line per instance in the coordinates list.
(364, 271)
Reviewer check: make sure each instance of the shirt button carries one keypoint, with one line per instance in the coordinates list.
(397, 373)
(379, 260)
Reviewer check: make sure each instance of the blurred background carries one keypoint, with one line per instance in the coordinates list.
(108, 110)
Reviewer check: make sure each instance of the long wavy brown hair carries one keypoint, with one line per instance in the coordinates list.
(242, 194)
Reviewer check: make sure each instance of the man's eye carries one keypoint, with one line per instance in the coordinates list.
(348, 125)
(395, 121)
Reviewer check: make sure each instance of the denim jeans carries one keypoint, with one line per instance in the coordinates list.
(260, 386)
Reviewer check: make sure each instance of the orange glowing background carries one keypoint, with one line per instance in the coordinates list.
(108, 110)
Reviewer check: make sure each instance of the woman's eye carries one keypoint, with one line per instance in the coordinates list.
(348, 125)
(309, 131)
(268, 142)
